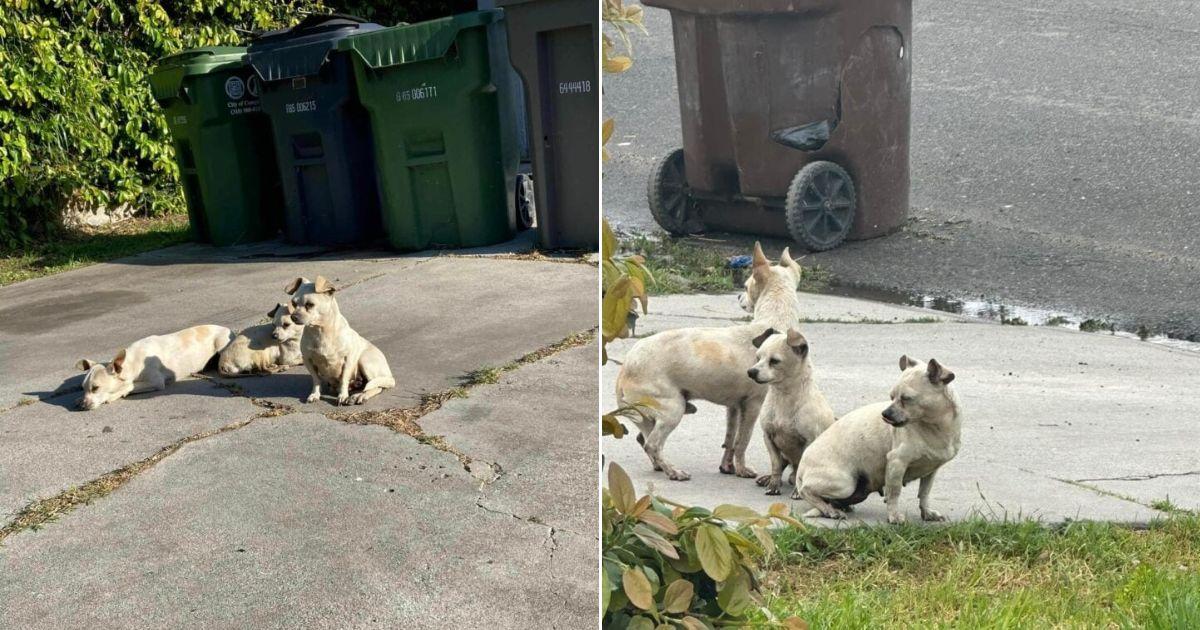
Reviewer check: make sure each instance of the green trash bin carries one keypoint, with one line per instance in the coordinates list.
(223, 144)
(443, 121)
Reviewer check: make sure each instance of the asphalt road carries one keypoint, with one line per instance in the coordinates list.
(1054, 158)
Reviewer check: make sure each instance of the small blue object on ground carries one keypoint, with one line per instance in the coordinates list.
(738, 262)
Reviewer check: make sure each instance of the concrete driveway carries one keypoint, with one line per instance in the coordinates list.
(230, 503)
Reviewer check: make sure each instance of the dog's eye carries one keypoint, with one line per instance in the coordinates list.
(95, 388)
(773, 362)
(285, 324)
(905, 399)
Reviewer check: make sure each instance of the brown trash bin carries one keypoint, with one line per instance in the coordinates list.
(554, 45)
(795, 119)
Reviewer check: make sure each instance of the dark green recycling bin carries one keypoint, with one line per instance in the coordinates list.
(322, 135)
(553, 45)
(223, 144)
(444, 124)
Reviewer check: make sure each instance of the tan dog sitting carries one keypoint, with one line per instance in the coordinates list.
(335, 355)
(881, 447)
(665, 371)
(151, 364)
(794, 412)
(265, 348)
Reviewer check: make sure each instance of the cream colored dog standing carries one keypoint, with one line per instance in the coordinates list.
(151, 364)
(335, 355)
(881, 447)
(265, 348)
(665, 371)
(794, 412)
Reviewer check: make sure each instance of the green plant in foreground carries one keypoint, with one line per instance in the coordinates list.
(667, 565)
(624, 279)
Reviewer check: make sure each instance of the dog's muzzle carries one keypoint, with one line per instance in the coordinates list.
(295, 319)
(753, 374)
(895, 419)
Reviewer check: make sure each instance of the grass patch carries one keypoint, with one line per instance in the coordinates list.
(1096, 325)
(988, 574)
(83, 248)
(682, 265)
(1057, 320)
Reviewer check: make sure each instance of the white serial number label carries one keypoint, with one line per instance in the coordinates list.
(574, 87)
(421, 93)
(301, 107)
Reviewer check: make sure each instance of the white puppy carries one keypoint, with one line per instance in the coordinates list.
(881, 447)
(151, 364)
(334, 354)
(265, 348)
(794, 412)
(665, 371)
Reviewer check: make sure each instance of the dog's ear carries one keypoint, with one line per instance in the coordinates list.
(272, 312)
(293, 285)
(785, 259)
(938, 374)
(797, 341)
(906, 362)
(84, 365)
(118, 362)
(758, 341)
(760, 267)
(321, 285)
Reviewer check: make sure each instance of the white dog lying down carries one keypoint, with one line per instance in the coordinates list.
(151, 364)
(265, 348)
(881, 447)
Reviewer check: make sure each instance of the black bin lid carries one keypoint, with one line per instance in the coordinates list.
(302, 49)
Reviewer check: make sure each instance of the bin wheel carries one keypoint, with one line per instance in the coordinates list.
(525, 203)
(820, 206)
(670, 204)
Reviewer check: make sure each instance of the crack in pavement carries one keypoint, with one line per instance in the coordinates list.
(1145, 477)
(41, 511)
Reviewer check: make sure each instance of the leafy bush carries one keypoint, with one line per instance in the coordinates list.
(671, 566)
(77, 123)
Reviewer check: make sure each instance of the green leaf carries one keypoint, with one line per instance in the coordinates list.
(606, 590)
(716, 556)
(620, 488)
(735, 513)
(655, 541)
(733, 596)
(678, 597)
(637, 588)
(641, 622)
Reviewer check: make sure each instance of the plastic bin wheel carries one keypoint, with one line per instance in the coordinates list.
(670, 204)
(820, 206)
(525, 204)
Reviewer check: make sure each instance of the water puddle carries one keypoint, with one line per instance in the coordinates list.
(1011, 314)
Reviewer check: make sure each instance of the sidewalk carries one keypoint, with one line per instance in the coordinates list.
(235, 504)
(1059, 424)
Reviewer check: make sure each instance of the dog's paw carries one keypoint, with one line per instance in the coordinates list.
(313, 397)
(357, 399)
(932, 515)
(745, 473)
(726, 469)
(772, 490)
(896, 518)
(796, 495)
(678, 475)
(763, 480)
(343, 399)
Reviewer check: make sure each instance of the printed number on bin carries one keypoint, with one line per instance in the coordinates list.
(301, 107)
(574, 87)
(416, 94)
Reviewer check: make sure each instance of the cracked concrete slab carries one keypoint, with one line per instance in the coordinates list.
(46, 448)
(546, 449)
(298, 521)
(1041, 404)
(434, 317)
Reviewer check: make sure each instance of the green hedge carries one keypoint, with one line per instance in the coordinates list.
(77, 123)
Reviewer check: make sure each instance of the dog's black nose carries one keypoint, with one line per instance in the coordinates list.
(752, 373)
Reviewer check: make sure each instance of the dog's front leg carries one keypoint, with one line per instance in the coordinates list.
(349, 367)
(772, 480)
(927, 514)
(732, 416)
(893, 482)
